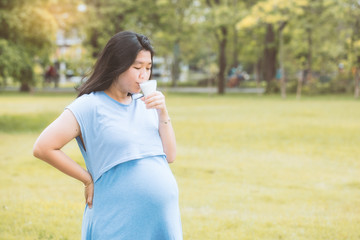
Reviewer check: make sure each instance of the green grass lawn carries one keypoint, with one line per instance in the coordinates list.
(248, 167)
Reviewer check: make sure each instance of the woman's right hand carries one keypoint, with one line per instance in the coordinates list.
(89, 193)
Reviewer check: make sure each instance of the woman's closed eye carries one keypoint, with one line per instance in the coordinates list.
(139, 68)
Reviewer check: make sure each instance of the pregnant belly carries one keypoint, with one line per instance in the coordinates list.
(146, 182)
(135, 200)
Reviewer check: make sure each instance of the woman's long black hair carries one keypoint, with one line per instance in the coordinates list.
(118, 55)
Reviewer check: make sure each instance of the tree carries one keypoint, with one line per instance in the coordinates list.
(274, 15)
(351, 10)
(173, 30)
(169, 23)
(222, 19)
(27, 35)
(104, 19)
(318, 50)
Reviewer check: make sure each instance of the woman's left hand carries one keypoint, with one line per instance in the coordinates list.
(155, 100)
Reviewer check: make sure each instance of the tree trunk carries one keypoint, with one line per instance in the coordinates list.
(235, 62)
(356, 66)
(269, 64)
(222, 39)
(258, 75)
(25, 87)
(282, 70)
(175, 69)
(4, 82)
(221, 36)
(357, 78)
(236, 49)
(309, 60)
(299, 86)
(94, 43)
(357, 81)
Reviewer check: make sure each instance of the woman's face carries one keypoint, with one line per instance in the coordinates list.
(138, 72)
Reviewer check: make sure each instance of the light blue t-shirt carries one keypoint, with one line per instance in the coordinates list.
(113, 132)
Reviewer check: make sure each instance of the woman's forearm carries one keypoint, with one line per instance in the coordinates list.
(167, 135)
(156, 101)
(65, 164)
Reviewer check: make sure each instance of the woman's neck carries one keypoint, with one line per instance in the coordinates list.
(122, 97)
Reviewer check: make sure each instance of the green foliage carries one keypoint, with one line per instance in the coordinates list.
(27, 35)
(15, 63)
(341, 84)
(272, 87)
(187, 31)
(309, 36)
(115, 16)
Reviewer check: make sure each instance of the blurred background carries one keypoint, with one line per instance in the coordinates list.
(284, 46)
(279, 162)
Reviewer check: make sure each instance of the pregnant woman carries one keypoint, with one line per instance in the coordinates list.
(126, 143)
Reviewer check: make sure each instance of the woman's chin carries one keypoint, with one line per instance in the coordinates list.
(136, 91)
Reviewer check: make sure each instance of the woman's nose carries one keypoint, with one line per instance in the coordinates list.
(142, 73)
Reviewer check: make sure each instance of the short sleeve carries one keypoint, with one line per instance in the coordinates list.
(82, 109)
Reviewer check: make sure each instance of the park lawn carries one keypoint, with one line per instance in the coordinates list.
(248, 167)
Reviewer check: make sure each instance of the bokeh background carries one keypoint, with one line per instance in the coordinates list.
(263, 96)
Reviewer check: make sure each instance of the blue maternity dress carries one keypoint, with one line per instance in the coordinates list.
(135, 192)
